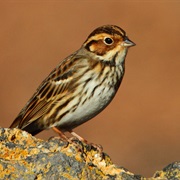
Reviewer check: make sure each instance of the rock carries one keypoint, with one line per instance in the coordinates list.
(172, 172)
(23, 156)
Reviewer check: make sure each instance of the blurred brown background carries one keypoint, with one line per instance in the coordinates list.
(140, 128)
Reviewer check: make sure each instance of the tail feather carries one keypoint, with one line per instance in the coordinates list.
(16, 122)
(33, 128)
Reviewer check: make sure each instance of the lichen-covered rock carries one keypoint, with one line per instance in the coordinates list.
(23, 156)
(172, 172)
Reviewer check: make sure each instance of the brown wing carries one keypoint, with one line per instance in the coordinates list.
(52, 88)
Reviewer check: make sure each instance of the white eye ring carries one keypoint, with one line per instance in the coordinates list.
(108, 41)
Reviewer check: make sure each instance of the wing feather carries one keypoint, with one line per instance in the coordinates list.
(52, 88)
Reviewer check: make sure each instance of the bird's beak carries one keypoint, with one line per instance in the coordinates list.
(128, 43)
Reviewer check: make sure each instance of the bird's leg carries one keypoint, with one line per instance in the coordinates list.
(77, 136)
(60, 133)
(70, 140)
(96, 146)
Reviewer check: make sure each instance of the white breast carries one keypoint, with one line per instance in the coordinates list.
(91, 107)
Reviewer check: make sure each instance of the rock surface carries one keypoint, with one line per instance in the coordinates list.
(23, 156)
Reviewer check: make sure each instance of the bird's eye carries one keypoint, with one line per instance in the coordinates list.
(108, 41)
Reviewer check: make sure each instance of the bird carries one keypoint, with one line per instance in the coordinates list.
(80, 86)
